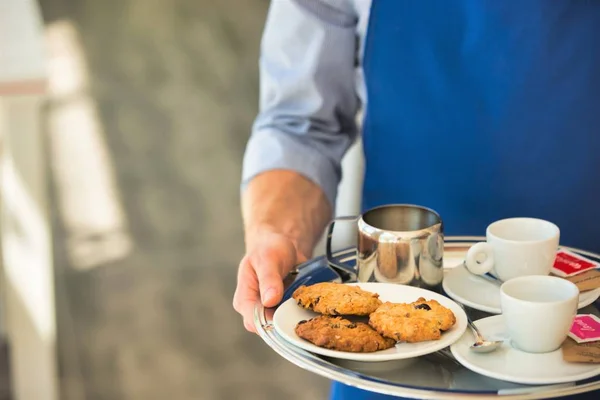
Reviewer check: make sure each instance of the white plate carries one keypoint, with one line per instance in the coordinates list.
(289, 314)
(513, 365)
(480, 294)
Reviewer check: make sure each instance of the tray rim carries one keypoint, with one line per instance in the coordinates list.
(315, 364)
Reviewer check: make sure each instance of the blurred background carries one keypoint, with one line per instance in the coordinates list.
(123, 127)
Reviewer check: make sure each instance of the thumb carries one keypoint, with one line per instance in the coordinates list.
(270, 276)
(270, 283)
(273, 263)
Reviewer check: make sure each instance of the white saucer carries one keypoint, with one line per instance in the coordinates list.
(288, 315)
(481, 294)
(513, 365)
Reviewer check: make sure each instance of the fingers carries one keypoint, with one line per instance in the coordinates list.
(246, 294)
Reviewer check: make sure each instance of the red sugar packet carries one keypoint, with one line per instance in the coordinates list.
(585, 328)
(568, 264)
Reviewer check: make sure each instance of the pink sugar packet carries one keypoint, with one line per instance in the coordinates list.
(585, 328)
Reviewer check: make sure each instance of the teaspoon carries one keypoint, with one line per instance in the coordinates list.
(481, 345)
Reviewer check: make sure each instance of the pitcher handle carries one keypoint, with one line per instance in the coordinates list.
(347, 273)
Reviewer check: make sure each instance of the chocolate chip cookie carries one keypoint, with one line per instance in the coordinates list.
(419, 321)
(432, 309)
(331, 298)
(340, 334)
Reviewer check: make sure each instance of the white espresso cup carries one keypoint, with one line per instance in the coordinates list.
(538, 311)
(515, 247)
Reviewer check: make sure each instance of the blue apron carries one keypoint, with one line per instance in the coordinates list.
(482, 110)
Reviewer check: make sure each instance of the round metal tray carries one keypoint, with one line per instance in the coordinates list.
(434, 376)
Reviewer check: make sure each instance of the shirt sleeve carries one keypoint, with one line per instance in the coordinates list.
(308, 101)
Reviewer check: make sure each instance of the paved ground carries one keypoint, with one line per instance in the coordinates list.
(174, 86)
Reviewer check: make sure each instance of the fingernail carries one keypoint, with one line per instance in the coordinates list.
(268, 295)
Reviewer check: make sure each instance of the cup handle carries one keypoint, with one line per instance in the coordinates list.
(476, 267)
(347, 273)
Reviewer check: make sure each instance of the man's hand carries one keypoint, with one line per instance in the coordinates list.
(261, 273)
(284, 215)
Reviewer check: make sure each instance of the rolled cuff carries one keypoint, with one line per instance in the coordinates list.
(270, 150)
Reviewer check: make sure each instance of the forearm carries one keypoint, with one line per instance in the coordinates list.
(288, 203)
(308, 105)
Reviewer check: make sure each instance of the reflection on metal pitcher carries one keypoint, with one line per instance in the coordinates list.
(396, 244)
